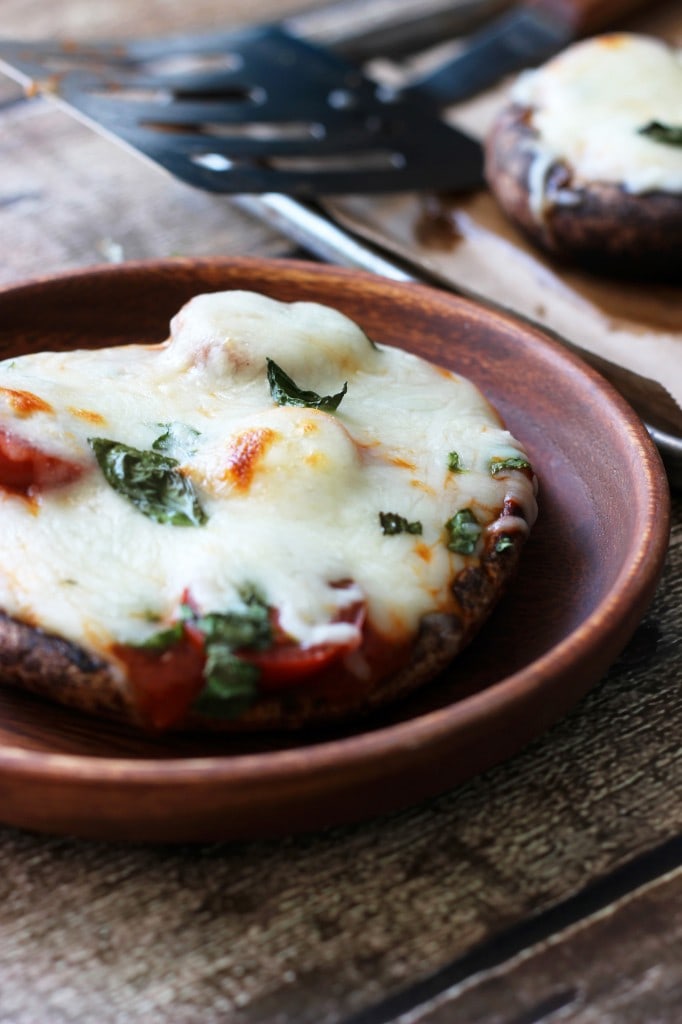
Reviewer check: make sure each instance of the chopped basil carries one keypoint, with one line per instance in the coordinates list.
(164, 639)
(455, 462)
(503, 544)
(286, 392)
(244, 627)
(498, 465)
(463, 532)
(392, 523)
(150, 481)
(669, 134)
(177, 438)
(231, 684)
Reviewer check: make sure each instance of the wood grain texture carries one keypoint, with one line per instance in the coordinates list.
(81, 19)
(585, 595)
(310, 929)
(68, 198)
(621, 966)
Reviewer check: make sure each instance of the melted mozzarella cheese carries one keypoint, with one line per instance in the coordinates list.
(589, 103)
(292, 495)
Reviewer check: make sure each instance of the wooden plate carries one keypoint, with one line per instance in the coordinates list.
(588, 574)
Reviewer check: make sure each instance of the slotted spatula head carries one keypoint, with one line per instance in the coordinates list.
(251, 112)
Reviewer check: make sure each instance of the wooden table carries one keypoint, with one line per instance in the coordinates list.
(548, 889)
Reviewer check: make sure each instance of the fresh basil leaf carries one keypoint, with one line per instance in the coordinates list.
(392, 523)
(177, 439)
(231, 684)
(286, 392)
(164, 639)
(230, 681)
(463, 532)
(455, 462)
(669, 134)
(497, 465)
(247, 627)
(150, 481)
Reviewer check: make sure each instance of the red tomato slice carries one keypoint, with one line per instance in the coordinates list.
(26, 469)
(283, 667)
(286, 664)
(165, 682)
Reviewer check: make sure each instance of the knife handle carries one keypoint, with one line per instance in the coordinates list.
(583, 17)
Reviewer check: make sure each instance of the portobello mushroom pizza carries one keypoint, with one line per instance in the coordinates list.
(266, 521)
(587, 155)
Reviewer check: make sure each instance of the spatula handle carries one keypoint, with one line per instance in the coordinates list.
(583, 17)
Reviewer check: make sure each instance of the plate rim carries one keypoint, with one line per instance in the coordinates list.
(633, 586)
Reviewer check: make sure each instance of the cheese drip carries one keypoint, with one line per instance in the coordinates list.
(292, 495)
(588, 104)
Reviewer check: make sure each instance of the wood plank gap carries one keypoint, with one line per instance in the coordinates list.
(541, 1011)
(625, 880)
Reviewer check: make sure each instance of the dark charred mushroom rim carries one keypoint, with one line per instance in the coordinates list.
(62, 671)
(596, 224)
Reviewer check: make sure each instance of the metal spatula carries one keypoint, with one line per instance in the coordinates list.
(265, 111)
(252, 111)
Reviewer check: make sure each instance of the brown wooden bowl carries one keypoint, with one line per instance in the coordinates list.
(587, 576)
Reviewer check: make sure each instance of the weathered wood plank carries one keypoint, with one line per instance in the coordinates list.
(621, 966)
(70, 197)
(81, 19)
(314, 928)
